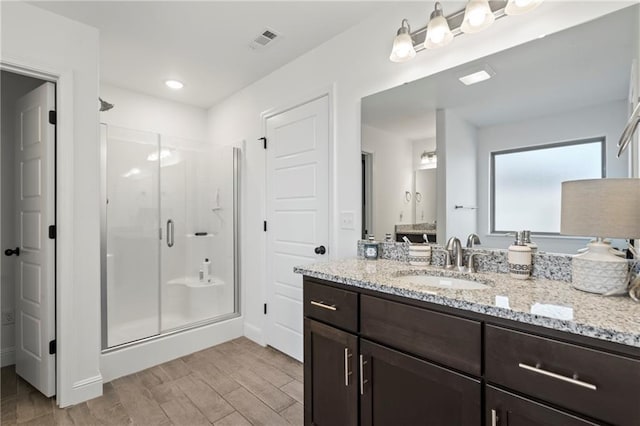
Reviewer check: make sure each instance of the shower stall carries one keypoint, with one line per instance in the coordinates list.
(170, 230)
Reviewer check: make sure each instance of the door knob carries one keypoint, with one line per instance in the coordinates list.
(11, 252)
(320, 250)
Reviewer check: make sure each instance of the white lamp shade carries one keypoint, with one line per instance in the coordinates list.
(518, 7)
(477, 16)
(438, 33)
(601, 208)
(402, 50)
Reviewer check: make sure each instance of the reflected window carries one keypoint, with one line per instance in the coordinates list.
(526, 183)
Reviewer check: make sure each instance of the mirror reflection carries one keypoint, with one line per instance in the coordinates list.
(551, 110)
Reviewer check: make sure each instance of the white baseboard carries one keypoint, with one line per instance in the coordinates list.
(84, 390)
(254, 333)
(7, 356)
(135, 358)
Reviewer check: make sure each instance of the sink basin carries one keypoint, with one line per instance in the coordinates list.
(443, 282)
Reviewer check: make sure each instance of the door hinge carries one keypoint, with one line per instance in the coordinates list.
(52, 232)
(264, 226)
(264, 141)
(53, 117)
(52, 347)
(265, 309)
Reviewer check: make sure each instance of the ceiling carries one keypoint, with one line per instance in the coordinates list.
(582, 66)
(205, 44)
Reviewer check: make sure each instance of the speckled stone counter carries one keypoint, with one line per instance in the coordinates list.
(546, 303)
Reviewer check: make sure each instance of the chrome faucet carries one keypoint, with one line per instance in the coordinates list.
(472, 240)
(454, 247)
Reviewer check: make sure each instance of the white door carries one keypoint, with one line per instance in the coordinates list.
(298, 214)
(35, 295)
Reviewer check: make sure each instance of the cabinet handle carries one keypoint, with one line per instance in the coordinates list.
(324, 306)
(362, 379)
(494, 418)
(170, 229)
(347, 373)
(572, 380)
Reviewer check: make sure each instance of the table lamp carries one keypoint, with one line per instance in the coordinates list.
(601, 208)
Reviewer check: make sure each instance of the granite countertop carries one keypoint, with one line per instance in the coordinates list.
(546, 303)
(417, 231)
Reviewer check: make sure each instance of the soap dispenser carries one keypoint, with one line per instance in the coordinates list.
(519, 258)
(527, 240)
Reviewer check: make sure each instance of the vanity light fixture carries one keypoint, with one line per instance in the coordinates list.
(174, 84)
(403, 49)
(440, 30)
(477, 16)
(477, 76)
(518, 7)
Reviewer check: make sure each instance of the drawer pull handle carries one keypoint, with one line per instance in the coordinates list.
(362, 379)
(494, 418)
(571, 380)
(324, 305)
(347, 373)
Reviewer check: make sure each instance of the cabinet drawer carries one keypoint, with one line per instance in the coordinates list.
(507, 409)
(331, 305)
(448, 340)
(601, 385)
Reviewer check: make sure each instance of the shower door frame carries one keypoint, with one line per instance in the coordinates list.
(103, 255)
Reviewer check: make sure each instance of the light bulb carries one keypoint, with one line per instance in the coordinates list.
(402, 49)
(438, 31)
(477, 16)
(518, 7)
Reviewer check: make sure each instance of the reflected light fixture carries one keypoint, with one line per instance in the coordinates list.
(429, 159)
(518, 7)
(438, 32)
(174, 84)
(403, 49)
(155, 156)
(477, 16)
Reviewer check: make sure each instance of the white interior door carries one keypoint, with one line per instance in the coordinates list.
(35, 295)
(298, 214)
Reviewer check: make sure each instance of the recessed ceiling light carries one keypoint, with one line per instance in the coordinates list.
(174, 84)
(476, 76)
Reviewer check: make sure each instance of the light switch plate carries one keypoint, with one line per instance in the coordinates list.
(346, 220)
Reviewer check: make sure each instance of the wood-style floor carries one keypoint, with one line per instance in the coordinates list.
(235, 383)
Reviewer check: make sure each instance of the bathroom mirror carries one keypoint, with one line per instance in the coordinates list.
(558, 90)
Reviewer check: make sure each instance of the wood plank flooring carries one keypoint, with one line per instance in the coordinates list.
(236, 383)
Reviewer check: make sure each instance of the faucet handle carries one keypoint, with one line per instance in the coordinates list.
(470, 267)
(447, 257)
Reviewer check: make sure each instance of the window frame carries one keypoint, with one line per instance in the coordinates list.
(492, 178)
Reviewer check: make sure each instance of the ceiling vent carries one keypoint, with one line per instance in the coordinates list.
(264, 39)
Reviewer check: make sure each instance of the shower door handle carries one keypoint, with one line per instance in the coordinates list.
(170, 227)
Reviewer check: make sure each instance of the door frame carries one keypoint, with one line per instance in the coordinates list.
(64, 202)
(329, 92)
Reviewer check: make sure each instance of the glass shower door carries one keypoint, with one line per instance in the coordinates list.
(132, 247)
(198, 199)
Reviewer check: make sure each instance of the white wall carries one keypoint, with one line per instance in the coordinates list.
(354, 64)
(138, 111)
(13, 87)
(392, 177)
(456, 173)
(601, 120)
(41, 40)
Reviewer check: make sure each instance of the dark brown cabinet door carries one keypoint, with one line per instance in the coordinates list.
(507, 409)
(330, 376)
(398, 389)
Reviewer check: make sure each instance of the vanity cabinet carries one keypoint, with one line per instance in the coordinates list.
(377, 359)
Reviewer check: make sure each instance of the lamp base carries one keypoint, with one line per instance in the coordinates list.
(598, 270)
